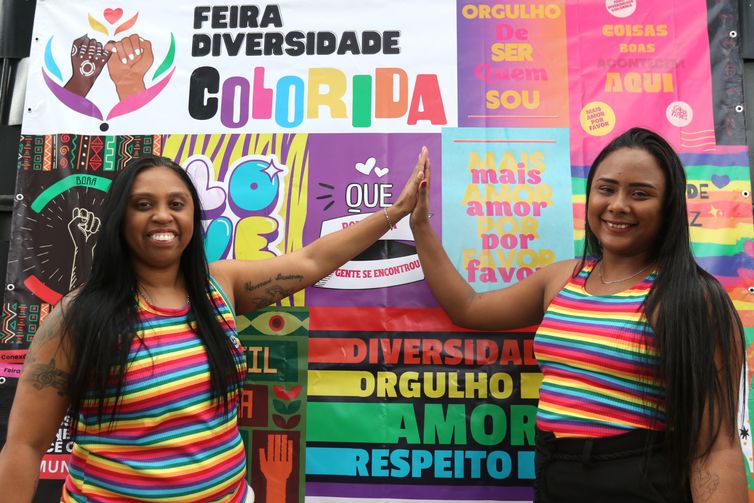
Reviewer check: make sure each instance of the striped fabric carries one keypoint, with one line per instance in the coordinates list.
(169, 442)
(597, 356)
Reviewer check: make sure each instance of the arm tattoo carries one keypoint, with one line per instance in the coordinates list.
(281, 277)
(704, 483)
(47, 375)
(274, 292)
(250, 287)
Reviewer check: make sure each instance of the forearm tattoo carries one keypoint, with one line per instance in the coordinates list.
(250, 287)
(271, 295)
(703, 482)
(47, 375)
(281, 277)
(274, 292)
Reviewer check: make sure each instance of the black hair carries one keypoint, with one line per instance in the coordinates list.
(698, 333)
(99, 321)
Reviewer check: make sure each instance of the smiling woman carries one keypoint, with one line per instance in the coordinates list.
(159, 219)
(145, 354)
(626, 202)
(641, 361)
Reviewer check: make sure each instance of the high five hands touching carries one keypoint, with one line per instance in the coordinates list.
(410, 194)
(421, 214)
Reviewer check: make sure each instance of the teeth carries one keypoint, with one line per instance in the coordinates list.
(164, 236)
(617, 226)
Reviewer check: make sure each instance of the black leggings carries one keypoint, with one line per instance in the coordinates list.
(604, 470)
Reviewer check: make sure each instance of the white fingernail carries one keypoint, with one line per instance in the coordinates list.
(130, 56)
(138, 51)
(114, 50)
(124, 61)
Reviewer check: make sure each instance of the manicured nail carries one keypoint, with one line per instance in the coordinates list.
(138, 51)
(423, 184)
(131, 56)
(124, 61)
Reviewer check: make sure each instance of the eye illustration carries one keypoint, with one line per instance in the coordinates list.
(278, 323)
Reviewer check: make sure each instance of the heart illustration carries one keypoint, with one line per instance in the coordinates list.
(284, 394)
(749, 248)
(720, 181)
(380, 172)
(112, 15)
(212, 196)
(367, 167)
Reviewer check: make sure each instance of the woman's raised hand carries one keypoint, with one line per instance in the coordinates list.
(421, 214)
(408, 197)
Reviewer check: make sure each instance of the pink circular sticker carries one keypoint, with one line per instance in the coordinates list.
(620, 8)
(679, 113)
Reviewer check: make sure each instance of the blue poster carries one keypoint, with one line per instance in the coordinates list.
(506, 202)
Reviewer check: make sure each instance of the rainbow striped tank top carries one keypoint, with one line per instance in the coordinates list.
(597, 356)
(169, 443)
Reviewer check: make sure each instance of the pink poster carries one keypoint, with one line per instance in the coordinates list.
(634, 63)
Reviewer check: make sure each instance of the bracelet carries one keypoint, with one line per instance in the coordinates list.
(387, 217)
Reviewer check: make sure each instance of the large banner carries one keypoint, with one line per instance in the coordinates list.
(233, 68)
(296, 119)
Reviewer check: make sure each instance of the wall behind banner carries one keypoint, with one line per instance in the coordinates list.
(296, 120)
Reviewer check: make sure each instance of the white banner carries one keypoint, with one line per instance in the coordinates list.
(294, 65)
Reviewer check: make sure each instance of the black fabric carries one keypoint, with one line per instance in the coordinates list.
(617, 469)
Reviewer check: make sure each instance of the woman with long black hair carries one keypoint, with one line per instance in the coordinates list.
(144, 355)
(640, 349)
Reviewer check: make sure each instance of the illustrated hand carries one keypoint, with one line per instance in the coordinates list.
(83, 223)
(88, 58)
(408, 197)
(420, 214)
(130, 60)
(276, 465)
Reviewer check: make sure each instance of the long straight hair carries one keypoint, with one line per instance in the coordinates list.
(99, 322)
(698, 333)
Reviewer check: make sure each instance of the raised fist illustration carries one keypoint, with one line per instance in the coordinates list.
(81, 227)
(88, 58)
(130, 59)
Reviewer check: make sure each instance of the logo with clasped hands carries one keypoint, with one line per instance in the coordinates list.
(128, 60)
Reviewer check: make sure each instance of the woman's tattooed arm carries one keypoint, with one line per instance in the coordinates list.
(704, 483)
(46, 375)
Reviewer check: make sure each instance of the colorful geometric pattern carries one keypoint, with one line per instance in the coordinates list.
(272, 417)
